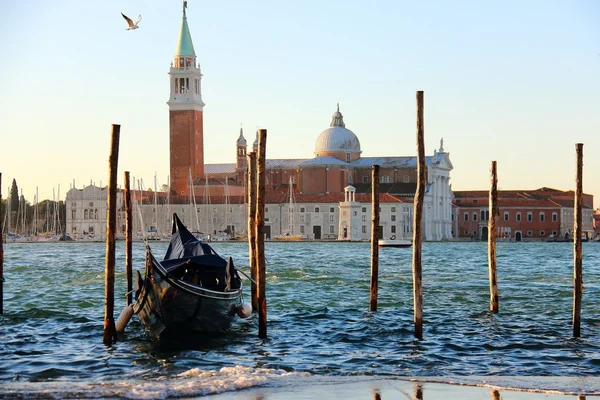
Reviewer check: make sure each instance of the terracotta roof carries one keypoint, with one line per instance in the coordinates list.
(543, 197)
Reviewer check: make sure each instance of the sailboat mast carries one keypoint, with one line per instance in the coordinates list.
(155, 205)
(292, 208)
(5, 227)
(193, 201)
(57, 216)
(19, 217)
(227, 205)
(36, 212)
(169, 197)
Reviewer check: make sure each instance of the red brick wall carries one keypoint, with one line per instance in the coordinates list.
(313, 180)
(186, 148)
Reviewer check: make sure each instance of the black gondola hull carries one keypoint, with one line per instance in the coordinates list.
(170, 303)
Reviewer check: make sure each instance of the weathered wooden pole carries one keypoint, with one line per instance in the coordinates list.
(495, 394)
(261, 162)
(110, 332)
(128, 239)
(493, 206)
(578, 268)
(251, 159)
(1, 254)
(417, 221)
(374, 237)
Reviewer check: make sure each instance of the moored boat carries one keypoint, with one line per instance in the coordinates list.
(393, 242)
(192, 290)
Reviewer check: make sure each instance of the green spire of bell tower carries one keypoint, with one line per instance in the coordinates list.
(185, 47)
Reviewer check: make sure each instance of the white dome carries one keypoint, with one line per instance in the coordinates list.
(337, 138)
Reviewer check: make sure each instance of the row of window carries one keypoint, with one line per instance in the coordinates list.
(332, 218)
(529, 233)
(364, 229)
(87, 214)
(485, 216)
(331, 209)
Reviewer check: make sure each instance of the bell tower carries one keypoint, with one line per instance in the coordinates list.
(240, 146)
(186, 127)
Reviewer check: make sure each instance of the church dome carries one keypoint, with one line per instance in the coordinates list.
(336, 138)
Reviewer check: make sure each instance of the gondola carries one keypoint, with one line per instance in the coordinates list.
(192, 290)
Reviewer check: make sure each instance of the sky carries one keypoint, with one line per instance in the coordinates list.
(517, 82)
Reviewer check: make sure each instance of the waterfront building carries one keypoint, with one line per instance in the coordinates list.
(337, 163)
(541, 214)
(210, 197)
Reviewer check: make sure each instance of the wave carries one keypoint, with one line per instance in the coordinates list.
(192, 383)
(279, 384)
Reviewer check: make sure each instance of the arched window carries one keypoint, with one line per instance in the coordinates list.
(385, 179)
(85, 214)
(96, 214)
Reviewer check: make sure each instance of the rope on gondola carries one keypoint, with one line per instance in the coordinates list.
(243, 273)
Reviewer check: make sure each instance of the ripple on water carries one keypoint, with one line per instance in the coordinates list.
(318, 318)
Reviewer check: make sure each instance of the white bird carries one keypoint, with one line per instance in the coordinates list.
(132, 25)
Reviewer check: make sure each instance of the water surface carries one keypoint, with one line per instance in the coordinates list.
(318, 318)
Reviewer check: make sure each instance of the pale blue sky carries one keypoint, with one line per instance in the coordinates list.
(513, 81)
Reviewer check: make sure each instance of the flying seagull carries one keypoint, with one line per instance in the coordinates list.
(132, 25)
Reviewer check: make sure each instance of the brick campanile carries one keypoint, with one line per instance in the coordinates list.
(186, 127)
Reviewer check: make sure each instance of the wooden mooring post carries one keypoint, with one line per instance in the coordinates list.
(493, 206)
(261, 162)
(1, 254)
(110, 332)
(578, 267)
(374, 237)
(418, 221)
(251, 160)
(128, 239)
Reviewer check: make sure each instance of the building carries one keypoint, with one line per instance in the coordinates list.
(211, 196)
(186, 127)
(337, 164)
(597, 224)
(540, 214)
